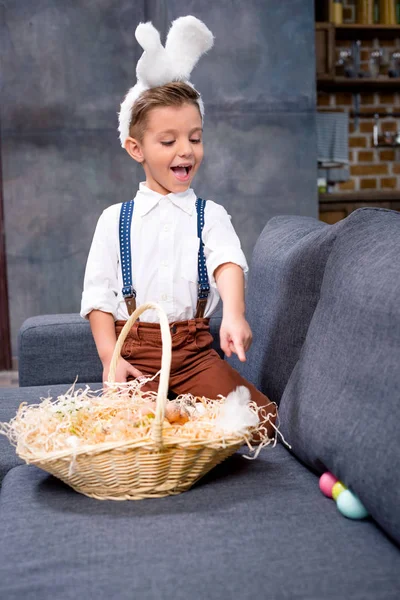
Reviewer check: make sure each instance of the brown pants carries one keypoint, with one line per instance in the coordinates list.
(196, 368)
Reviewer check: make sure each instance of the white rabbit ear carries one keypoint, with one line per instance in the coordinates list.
(148, 37)
(154, 67)
(187, 40)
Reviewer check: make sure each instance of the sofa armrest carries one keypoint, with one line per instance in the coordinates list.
(58, 348)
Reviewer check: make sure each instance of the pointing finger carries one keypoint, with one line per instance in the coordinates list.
(240, 351)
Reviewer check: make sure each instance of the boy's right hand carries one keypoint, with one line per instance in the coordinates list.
(123, 371)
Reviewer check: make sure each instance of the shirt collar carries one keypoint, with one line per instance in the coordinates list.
(146, 199)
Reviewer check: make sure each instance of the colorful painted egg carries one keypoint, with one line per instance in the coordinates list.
(350, 506)
(338, 489)
(326, 483)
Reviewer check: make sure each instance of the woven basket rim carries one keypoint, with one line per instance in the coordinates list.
(147, 444)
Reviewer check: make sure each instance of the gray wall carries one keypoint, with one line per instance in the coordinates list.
(65, 67)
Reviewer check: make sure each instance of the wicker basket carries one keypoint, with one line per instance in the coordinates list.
(133, 471)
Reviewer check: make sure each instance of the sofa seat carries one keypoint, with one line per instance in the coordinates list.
(246, 526)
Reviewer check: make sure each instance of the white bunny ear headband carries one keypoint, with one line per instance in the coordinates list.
(187, 40)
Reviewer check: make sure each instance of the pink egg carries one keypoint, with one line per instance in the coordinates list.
(326, 483)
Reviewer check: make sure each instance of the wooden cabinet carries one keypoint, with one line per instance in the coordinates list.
(325, 50)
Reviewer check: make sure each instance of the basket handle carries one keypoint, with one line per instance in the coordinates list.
(165, 363)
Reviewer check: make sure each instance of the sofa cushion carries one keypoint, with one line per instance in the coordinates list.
(249, 529)
(341, 408)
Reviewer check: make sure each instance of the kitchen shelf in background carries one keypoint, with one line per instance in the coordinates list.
(368, 196)
(353, 31)
(357, 84)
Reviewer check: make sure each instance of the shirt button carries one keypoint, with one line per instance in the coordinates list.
(164, 297)
(165, 263)
(166, 227)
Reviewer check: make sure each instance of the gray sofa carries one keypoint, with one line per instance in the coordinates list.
(323, 302)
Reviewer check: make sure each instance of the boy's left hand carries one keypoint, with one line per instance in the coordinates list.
(235, 336)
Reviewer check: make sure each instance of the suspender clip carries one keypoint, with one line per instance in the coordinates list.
(129, 295)
(128, 292)
(203, 290)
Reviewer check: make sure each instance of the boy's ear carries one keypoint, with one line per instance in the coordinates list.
(134, 149)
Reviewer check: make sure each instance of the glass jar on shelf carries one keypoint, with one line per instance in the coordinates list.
(394, 64)
(344, 66)
(378, 61)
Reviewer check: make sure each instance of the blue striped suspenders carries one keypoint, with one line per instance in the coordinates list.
(125, 220)
(203, 283)
(128, 290)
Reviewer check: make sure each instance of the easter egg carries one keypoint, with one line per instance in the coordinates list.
(175, 414)
(338, 489)
(326, 483)
(350, 506)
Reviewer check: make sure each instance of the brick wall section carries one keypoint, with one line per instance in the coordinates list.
(370, 168)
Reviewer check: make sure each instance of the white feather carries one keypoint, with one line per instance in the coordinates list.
(236, 415)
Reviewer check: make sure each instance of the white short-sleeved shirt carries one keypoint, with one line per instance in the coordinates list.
(164, 247)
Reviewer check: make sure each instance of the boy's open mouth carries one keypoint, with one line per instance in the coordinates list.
(182, 172)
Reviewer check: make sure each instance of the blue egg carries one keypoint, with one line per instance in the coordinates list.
(350, 506)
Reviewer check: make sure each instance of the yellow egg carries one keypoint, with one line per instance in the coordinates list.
(147, 409)
(337, 489)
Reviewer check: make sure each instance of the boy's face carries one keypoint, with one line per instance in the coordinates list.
(172, 149)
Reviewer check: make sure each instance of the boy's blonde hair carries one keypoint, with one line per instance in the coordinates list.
(175, 93)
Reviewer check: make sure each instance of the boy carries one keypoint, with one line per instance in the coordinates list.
(164, 134)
